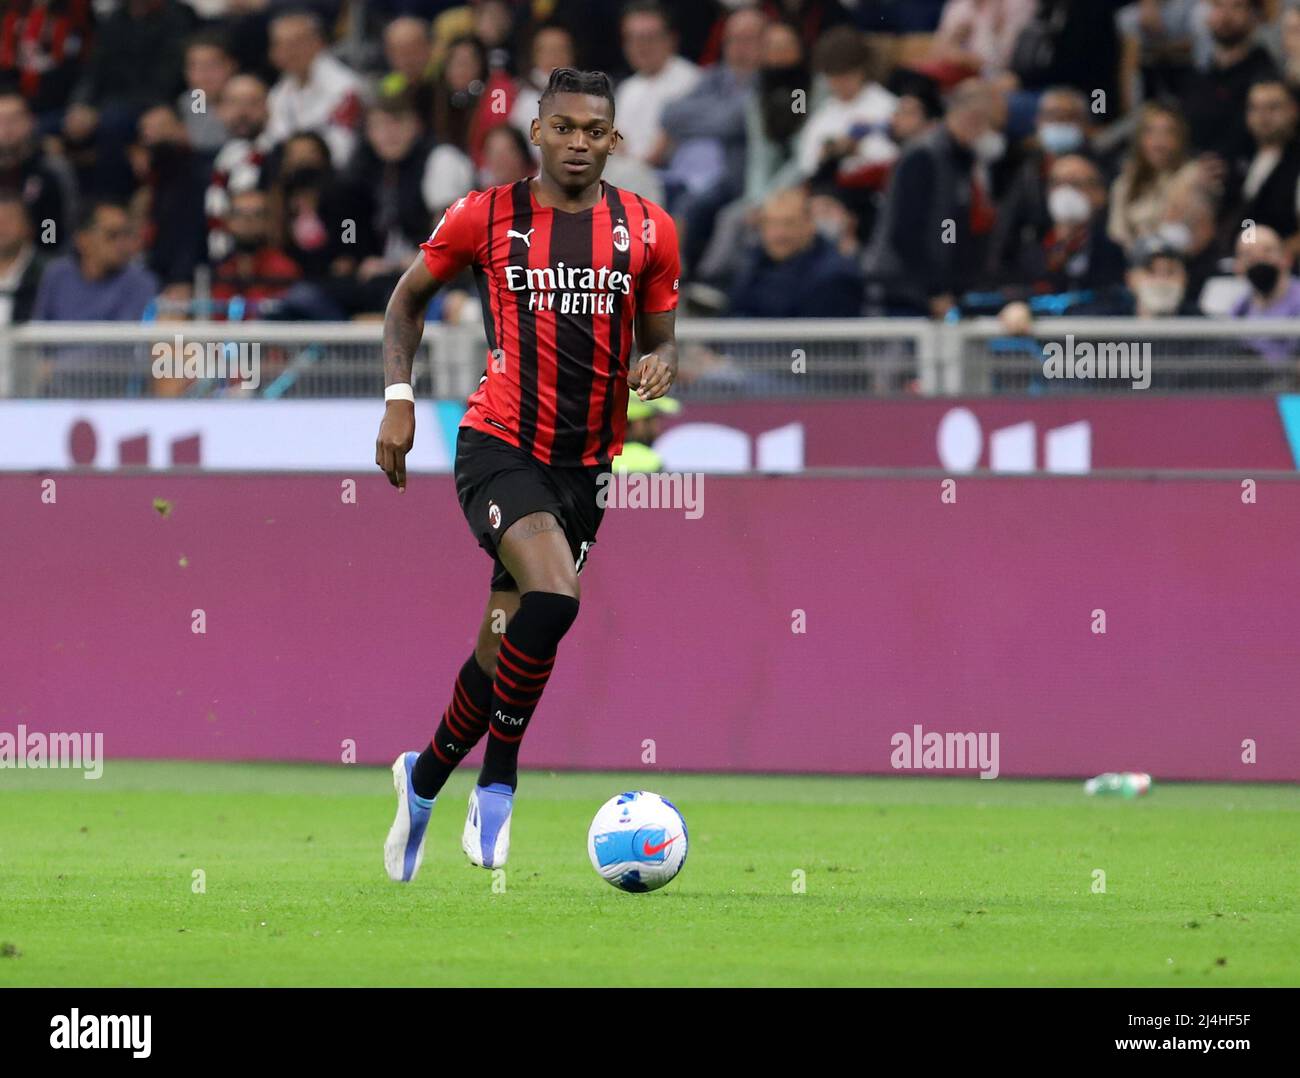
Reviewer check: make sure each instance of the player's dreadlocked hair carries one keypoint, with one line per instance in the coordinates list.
(568, 80)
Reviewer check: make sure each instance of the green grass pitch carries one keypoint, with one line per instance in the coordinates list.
(907, 881)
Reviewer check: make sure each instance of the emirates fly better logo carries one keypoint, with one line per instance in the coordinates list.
(581, 289)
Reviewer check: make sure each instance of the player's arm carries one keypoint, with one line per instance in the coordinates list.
(403, 328)
(656, 370)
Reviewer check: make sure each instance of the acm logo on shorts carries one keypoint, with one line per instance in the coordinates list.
(494, 515)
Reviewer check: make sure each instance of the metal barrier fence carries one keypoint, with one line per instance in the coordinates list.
(721, 359)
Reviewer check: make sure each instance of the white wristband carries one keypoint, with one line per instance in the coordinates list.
(399, 391)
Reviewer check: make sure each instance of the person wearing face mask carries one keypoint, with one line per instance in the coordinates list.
(1264, 264)
(1189, 224)
(310, 205)
(1075, 255)
(930, 240)
(258, 271)
(1157, 278)
(1062, 127)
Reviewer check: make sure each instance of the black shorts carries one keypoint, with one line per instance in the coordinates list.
(498, 483)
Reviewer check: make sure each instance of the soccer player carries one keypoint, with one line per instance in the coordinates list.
(568, 268)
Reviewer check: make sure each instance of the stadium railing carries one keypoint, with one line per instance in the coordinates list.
(721, 359)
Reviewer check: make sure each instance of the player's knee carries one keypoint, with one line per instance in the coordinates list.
(561, 582)
(485, 654)
(550, 613)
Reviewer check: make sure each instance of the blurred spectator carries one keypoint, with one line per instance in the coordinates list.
(311, 207)
(44, 184)
(772, 124)
(1158, 48)
(929, 243)
(976, 37)
(1265, 263)
(399, 181)
(43, 45)
(406, 181)
(258, 272)
(1071, 43)
(597, 24)
(136, 61)
(459, 98)
(137, 58)
(1215, 99)
(551, 47)
(706, 130)
(772, 120)
(507, 158)
(812, 19)
(1062, 127)
(493, 26)
(644, 426)
(238, 164)
(918, 108)
(1190, 225)
(1156, 171)
(837, 222)
(850, 128)
(1157, 279)
(20, 264)
(408, 49)
(1269, 191)
(660, 76)
(209, 66)
(316, 92)
(101, 282)
(795, 272)
(1289, 26)
(173, 180)
(1075, 255)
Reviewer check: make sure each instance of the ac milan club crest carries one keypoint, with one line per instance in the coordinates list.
(622, 238)
(494, 515)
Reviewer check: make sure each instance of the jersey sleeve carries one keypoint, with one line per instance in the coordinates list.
(453, 244)
(657, 287)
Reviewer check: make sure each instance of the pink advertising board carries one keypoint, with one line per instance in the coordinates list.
(1092, 432)
(328, 621)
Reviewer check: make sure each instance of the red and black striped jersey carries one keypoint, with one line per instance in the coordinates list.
(559, 293)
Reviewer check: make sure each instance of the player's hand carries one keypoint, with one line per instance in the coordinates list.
(396, 436)
(652, 376)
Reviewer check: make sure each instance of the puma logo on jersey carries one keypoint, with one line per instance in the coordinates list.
(527, 237)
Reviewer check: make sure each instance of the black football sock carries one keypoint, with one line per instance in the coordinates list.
(523, 668)
(463, 723)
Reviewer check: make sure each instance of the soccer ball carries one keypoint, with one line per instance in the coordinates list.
(637, 841)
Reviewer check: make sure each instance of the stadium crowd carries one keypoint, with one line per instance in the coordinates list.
(252, 159)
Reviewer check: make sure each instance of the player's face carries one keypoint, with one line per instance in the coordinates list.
(575, 134)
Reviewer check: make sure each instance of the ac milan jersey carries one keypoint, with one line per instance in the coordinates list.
(559, 293)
